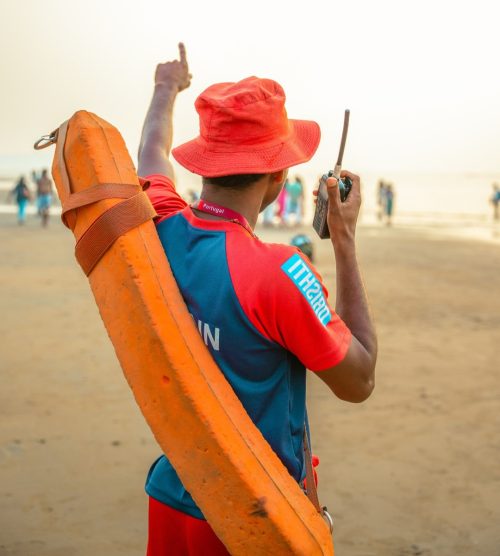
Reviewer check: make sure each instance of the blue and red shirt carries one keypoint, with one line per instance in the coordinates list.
(263, 313)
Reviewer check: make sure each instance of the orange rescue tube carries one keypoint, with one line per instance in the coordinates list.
(241, 486)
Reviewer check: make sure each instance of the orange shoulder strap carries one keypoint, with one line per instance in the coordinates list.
(112, 224)
(116, 221)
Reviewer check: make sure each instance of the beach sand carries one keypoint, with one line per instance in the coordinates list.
(412, 471)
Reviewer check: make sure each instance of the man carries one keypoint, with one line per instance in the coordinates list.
(44, 193)
(389, 203)
(262, 307)
(295, 200)
(22, 195)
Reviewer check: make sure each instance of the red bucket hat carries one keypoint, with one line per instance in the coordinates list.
(244, 129)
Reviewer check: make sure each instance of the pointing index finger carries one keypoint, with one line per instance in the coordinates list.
(182, 54)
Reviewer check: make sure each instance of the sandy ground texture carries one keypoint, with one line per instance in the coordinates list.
(415, 470)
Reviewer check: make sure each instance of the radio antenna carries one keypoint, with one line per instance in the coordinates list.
(338, 166)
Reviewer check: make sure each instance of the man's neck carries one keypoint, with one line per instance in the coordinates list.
(246, 201)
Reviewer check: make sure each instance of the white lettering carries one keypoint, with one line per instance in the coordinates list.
(297, 263)
(313, 301)
(307, 281)
(318, 305)
(324, 314)
(313, 290)
(214, 338)
(301, 271)
(207, 334)
(213, 209)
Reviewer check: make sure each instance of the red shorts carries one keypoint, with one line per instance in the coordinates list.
(173, 533)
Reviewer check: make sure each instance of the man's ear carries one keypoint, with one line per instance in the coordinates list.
(279, 177)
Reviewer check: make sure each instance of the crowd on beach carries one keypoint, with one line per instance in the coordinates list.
(22, 194)
(288, 209)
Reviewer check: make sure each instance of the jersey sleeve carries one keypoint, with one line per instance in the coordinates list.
(306, 325)
(288, 304)
(163, 196)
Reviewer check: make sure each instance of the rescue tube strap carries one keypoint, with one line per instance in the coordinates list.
(96, 193)
(112, 224)
(135, 210)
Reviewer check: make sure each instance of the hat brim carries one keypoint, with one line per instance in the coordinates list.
(299, 147)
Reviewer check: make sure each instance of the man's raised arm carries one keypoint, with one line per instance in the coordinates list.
(353, 379)
(156, 139)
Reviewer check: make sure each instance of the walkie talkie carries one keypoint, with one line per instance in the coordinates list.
(320, 223)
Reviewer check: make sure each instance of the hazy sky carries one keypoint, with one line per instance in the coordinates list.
(421, 78)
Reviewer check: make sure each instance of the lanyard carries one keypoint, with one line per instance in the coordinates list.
(223, 212)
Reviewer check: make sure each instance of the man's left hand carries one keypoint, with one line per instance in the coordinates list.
(174, 73)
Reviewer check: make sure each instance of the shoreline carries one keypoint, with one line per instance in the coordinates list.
(457, 227)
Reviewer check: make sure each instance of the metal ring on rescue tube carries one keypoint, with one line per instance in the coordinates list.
(328, 518)
(45, 141)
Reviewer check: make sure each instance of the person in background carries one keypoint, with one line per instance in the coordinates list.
(281, 204)
(380, 200)
(22, 195)
(44, 200)
(268, 215)
(389, 203)
(265, 302)
(295, 200)
(35, 177)
(495, 200)
(192, 196)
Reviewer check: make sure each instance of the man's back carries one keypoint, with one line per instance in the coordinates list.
(258, 323)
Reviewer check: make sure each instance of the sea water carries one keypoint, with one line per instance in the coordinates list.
(459, 202)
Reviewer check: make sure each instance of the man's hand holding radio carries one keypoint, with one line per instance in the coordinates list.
(342, 216)
(353, 378)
